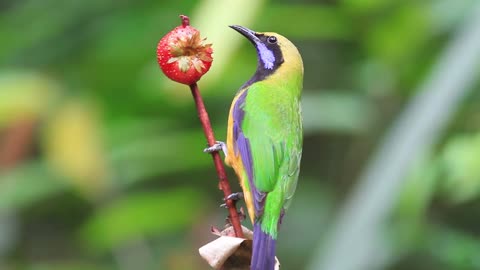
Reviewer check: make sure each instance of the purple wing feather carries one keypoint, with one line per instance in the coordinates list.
(242, 145)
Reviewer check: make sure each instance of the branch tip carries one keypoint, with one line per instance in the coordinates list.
(185, 20)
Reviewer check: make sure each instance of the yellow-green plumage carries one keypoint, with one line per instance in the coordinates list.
(265, 138)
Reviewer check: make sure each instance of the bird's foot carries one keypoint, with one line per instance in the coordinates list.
(234, 196)
(219, 145)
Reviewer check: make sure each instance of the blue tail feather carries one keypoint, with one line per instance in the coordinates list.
(263, 257)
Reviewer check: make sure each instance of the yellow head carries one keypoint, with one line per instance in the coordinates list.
(276, 54)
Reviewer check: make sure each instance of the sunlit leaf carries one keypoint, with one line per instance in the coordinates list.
(73, 147)
(24, 94)
(461, 161)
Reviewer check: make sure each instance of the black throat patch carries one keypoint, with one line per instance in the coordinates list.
(270, 58)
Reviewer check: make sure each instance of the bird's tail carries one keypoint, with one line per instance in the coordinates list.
(263, 257)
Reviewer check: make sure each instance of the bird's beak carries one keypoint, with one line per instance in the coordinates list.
(251, 35)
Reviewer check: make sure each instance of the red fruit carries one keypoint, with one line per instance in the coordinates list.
(183, 55)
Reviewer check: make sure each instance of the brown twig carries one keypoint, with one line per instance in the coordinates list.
(223, 181)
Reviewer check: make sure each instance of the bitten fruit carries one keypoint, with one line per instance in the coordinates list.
(183, 55)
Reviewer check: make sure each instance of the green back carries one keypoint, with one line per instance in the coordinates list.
(272, 124)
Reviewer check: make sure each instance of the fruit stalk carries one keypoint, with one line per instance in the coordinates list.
(222, 176)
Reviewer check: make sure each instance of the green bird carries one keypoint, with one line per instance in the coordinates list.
(264, 138)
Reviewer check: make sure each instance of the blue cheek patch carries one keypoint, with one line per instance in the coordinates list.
(266, 56)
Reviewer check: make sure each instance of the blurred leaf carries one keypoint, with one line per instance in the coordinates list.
(408, 225)
(313, 201)
(148, 156)
(73, 147)
(461, 161)
(70, 265)
(142, 214)
(49, 27)
(25, 95)
(398, 36)
(454, 249)
(418, 191)
(375, 78)
(336, 112)
(365, 6)
(26, 185)
(300, 21)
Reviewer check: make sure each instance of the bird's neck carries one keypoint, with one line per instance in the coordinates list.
(285, 77)
(289, 80)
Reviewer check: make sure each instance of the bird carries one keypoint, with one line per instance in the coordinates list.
(265, 137)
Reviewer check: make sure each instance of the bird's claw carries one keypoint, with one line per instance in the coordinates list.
(219, 145)
(234, 196)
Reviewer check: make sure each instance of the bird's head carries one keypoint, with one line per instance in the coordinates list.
(273, 50)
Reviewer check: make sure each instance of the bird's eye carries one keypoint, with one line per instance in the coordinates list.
(272, 39)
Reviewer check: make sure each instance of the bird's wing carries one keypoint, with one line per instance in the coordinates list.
(268, 136)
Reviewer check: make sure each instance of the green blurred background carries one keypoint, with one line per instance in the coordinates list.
(101, 163)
